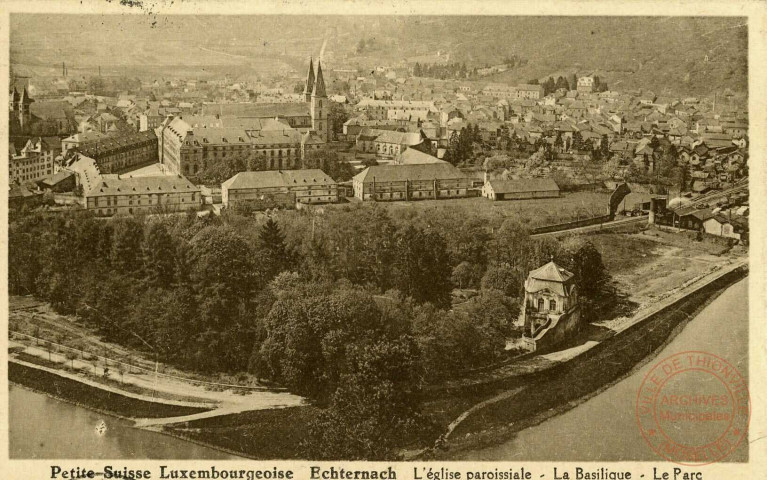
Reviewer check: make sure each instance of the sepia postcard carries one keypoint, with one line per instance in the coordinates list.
(358, 241)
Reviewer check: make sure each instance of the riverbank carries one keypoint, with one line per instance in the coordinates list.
(91, 397)
(258, 435)
(540, 396)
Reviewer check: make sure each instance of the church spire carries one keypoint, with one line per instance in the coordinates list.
(319, 84)
(309, 87)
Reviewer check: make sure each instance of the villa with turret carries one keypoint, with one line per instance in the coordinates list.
(551, 313)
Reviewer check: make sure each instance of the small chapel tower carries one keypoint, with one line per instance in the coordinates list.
(319, 106)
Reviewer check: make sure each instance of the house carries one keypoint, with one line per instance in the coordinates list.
(283, 188)
(34, 161)
(115, 194)
(19, 196)
(61, 181)
(390, 144)
(722, 226)
(531, 92)
(551, 311)
(526, 188)
(694, 219)
(585, 84)
(411, 182)
(115, 153)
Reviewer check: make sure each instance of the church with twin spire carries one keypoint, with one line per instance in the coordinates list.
(317, 98)
(278, 135)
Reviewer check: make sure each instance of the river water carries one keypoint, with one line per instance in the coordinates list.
(604, 428)
(44, 428)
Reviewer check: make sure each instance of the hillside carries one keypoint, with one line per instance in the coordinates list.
(658, 53)
(655, 53)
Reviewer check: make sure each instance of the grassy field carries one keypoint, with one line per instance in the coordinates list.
(652, 263)
(534, 213)
(91, 397)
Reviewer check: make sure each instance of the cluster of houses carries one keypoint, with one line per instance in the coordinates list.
(90, 142)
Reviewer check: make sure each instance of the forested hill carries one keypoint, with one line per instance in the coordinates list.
(684, 56)
(666, 55)
(675, 55)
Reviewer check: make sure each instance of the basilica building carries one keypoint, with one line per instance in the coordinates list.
(277, 135)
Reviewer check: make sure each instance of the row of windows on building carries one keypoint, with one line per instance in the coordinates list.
(417, 194)
(111, 201)
(111, 211)
(542, 305)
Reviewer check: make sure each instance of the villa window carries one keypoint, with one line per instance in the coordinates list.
(552, 305)
(540, 304)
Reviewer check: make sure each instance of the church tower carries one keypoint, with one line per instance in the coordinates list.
(319, 106)
(309, 87)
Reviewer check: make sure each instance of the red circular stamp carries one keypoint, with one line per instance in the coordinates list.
(693, 408)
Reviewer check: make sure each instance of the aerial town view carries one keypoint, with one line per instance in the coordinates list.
(369, 237)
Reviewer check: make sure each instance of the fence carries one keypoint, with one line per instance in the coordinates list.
(131, 367)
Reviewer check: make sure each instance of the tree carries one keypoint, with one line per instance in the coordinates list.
(684, 177)
(223, 274)
(503, 278)
(126, 244)
(462, 274)
(337, 116)
(375, 407)
(421, 267)
(310, 330)
(591, 276)
(453, 152)
(329, 162)
(159, 255)
(558, 143)
(272, 242)
(562, 83)
(577, 140)
(604, 147)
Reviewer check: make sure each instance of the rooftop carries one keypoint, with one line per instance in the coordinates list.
(278, 178)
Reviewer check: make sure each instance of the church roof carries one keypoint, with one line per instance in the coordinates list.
(319, 83)
(309, 87)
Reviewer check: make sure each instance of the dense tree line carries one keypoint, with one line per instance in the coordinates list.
(351, 308)
(461, 144)
(441, 71)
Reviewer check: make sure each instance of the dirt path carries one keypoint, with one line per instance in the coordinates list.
(166, 389)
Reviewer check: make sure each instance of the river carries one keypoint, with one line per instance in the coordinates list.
(45, 428)
(604, 428)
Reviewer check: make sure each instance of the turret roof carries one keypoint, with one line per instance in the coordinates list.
(551, 272)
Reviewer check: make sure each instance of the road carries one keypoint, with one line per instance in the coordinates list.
(175, 390)
(596, 228)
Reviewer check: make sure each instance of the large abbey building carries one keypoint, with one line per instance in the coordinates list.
(276, 135)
